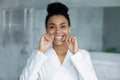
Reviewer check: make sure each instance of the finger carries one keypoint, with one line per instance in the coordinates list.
(74, 40)
(70, 39)
(67, 39)
(49, 37)
(52, 38)
(43, 37)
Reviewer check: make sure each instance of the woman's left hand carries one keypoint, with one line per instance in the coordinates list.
(72, 43)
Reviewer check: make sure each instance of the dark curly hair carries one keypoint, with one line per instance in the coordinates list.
(57, 8)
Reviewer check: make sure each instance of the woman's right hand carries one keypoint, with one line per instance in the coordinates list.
(45, 42)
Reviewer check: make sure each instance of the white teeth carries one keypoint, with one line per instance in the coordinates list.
(58, 37)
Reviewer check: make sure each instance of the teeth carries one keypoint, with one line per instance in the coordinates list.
(58, 37)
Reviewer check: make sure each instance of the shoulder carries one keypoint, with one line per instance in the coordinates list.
(81, 58)
(81, 54)
(84, 53)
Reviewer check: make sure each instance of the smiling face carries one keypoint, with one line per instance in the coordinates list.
(57, 25)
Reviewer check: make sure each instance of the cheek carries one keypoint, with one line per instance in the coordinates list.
(61, 31)
(67, 31)
(50, 31)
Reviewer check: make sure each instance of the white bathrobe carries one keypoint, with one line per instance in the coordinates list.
(46, 66)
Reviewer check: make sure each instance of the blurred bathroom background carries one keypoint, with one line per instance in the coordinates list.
(96, 23)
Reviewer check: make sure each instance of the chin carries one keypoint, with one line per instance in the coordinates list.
(58, 43)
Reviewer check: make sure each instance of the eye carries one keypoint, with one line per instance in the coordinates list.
(63, 26)
(51, 27)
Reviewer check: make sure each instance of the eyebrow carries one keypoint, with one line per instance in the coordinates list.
(54, 24)
(51, 24)
(62, 23)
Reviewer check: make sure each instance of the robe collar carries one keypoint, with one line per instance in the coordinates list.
(54, 58)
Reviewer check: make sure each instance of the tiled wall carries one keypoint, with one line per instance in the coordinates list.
(15, 42)
(88, 26)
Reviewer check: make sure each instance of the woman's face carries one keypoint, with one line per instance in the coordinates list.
(57, 25)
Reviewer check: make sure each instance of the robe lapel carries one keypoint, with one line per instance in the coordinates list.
(62, 68)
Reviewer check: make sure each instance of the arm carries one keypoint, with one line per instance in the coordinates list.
(32, 68)
(83, 64)
(80, 59)
(37, 58)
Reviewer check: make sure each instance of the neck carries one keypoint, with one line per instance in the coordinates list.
(61, 52)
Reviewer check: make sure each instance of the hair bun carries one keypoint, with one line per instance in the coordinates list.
(57, 8)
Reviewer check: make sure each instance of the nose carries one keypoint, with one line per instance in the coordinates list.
(58, 30)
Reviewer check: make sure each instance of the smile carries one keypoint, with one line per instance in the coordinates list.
(58, 37)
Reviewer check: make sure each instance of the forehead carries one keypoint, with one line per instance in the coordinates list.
(57, 19)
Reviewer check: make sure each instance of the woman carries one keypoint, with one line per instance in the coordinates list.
(58, 56)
